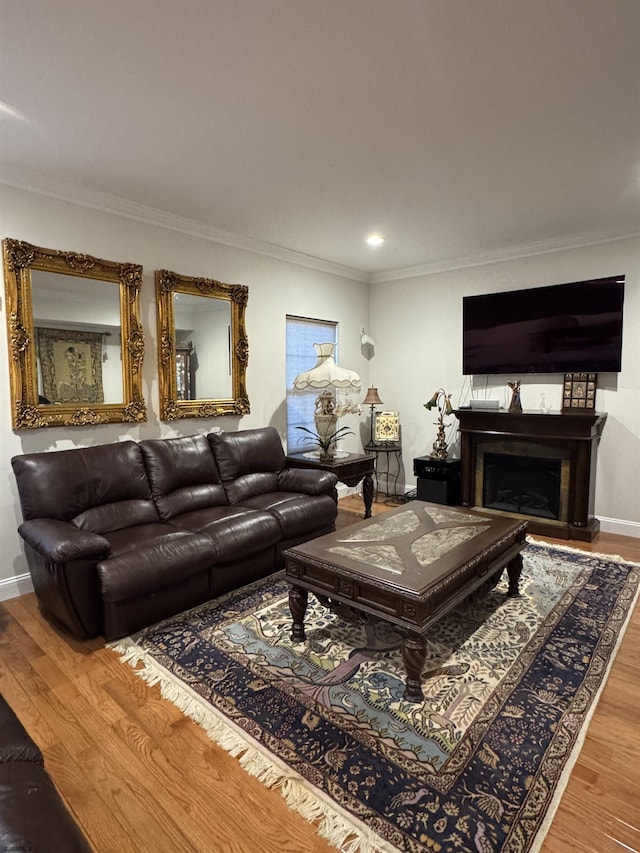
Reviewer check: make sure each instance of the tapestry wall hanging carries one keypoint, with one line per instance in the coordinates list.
(71, 366)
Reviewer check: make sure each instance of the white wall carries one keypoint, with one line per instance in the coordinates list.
(417, 326)
(276, 288)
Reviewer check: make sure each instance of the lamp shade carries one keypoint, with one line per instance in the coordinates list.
(326, 374)
(372, 398)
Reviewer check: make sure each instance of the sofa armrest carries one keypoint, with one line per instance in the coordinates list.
(60, 541)
(309, 481)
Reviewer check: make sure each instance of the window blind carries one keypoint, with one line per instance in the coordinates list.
(302, 334)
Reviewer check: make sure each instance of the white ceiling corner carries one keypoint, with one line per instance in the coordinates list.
(464, 132)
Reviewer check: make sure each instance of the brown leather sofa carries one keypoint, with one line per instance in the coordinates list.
(32, 813)
(122, 535)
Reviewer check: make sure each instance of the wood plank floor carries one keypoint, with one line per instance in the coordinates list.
(139, 777)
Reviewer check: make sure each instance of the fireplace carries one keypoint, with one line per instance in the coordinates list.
(533, 465)
(525, 485)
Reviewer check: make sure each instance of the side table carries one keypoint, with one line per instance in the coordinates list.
(392, 452)
(349, 469)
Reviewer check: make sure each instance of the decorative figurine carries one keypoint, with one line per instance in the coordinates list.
(516, 403)
(442, 401)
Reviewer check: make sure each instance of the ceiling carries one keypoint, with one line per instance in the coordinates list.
(461, 130)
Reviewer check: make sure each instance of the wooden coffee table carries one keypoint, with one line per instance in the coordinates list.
(408, 566)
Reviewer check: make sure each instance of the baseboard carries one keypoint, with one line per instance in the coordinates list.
(345, 491)
(621, 528)
(14, 587)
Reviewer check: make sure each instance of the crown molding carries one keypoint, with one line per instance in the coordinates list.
(526, 250)
(106, 203)
(151, 216)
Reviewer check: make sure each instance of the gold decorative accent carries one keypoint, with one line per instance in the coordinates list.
(135, 412)
(170, 412)
(28, 406)
(242, 350)
(19, 255)
(131, 275)
(27, 417)
(83, 417)
(79, 263)
(240, 294)
(169, 286)
(135, 345)
(166, 281)
(18, 336)
(167, 348)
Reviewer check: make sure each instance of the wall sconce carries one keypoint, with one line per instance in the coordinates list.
(366, 340)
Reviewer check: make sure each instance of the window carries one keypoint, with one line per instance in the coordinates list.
(302, 334)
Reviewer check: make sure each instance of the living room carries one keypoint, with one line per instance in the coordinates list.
(411, 307)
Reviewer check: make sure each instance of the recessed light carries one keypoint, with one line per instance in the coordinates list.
(374, 240)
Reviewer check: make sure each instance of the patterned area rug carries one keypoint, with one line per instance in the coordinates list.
(509, 685)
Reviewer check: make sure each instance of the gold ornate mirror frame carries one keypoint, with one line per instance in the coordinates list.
(168, 285)
(28, 411)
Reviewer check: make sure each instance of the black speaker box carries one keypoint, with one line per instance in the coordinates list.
(438, 480)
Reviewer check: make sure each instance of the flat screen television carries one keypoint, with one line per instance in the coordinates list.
(564, 328)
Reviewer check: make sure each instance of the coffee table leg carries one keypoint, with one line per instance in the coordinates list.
(514, 570)
(367, 494)
(414, 653)
(298, 598)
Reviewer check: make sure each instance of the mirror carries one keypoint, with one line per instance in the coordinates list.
(203, 349)
(76, 345)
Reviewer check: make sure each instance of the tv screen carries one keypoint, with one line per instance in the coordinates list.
(564, 328)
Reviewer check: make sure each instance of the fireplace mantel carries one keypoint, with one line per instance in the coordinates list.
(575, 436)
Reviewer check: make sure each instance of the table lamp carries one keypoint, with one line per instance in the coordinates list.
(372, 399)
(327, 377)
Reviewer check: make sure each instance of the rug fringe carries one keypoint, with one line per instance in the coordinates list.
(340, 830)
(570, 550)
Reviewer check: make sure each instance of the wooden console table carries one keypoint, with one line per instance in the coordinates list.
(349, 469)
(572, 438)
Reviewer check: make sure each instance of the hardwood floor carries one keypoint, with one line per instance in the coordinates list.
(141, 777)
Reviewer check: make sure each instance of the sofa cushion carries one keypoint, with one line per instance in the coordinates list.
(33, 816)
(153, 566)
(65, 484)
(115, 516)
(296, 514)
(183, 474)
(249, 461)
(130, 538)
(15, 743)
(235, 532)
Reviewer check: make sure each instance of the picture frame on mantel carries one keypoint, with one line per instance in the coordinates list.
(579, 393)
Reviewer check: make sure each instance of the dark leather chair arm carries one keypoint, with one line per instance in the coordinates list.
(60, 541)
(306, 480)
